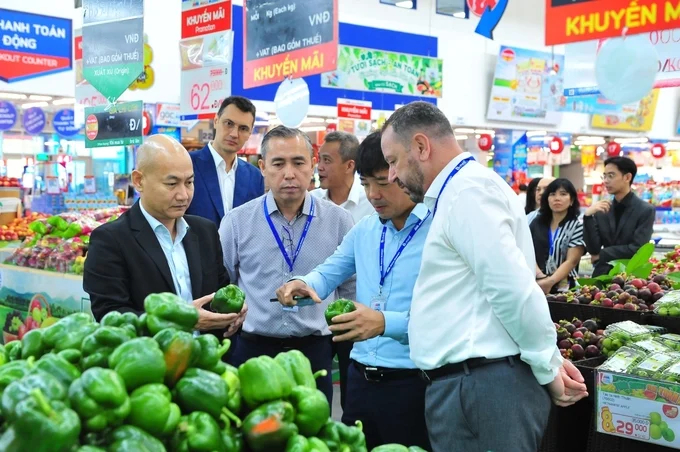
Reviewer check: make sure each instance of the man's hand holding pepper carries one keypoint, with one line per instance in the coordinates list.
(360, 325)
(208, 320)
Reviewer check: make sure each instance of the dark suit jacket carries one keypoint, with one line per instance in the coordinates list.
(125, 263)
(207, 202)
(603, 237)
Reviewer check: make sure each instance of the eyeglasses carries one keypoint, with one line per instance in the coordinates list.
(609, 176)
(229, 126)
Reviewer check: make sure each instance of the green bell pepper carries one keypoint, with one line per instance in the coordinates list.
(180, 351)
(343, 438)
(21, 390)
(69, 332)
(4, 359)
(232, 440)
(197, 432)
(32, 344)
(100, 399)
(210, 351)
(90, 449)
(263, 380)
(138, 361)
(200, 390)
(41, 425)
(228, 300)
(397, 448)
(39, 227)
(230, 376)
(311, 409)
(299, 443)
(167, 310)
(299, 368)
(13, 350)
(152, 410)
(100, 344)
(338, 307)
(57, 222)
(59, 368)
(129, 438)
(126, 320)
(13, 371)
(220, 368)
(270, 426)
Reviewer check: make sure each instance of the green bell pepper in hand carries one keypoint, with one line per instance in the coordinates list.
(338, 307)
(197, 432)
(270, 426)
(263, 380)
(228, 300)
(32, 344)
(152, 410)
(126, 320)
(13, 350)
(69, 332)
(100, 399)
(138, 361)
(210, 351)
(167, 310)
(180, 352)
(200, 390)
(343, 438)
(311, 409)
(299, 443)
(58, 367)
(129, 438)
(20, 390)
(98, 346)
(299, 368)
(230, 376)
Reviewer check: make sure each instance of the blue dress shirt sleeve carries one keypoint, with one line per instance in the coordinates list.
(229, 241)
(396, 325)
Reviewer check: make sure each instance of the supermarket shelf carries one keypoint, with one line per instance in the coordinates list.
(43, 273)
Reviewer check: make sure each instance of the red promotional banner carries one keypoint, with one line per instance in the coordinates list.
(354, 109)
(206, 19)
(284, 38)
(79, 48)
(584, 20)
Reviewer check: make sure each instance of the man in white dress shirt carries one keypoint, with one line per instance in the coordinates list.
(480, 329)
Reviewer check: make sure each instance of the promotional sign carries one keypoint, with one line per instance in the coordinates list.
(385, 72)
(636, 117)
(510, 155)
(52, 185)
(584, 20)
(174, 132)
(639, 409)
(34, 120)
(527, 87)
(113, 45)
(354, 116)
(288, 38)
(203, 17)
(168, 115)
(32, 45)
(203, 90)
(90, 185)
(120, 125)
(63, 122)
(8, 115)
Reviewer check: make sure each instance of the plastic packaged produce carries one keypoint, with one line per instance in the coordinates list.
(656, 330)
(623, 359)
(67, 256)
(672, 373)
(654, 364)
(650, 346)
(669, 340)
(669, 304)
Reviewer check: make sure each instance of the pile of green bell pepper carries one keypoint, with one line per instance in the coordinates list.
(167, 310)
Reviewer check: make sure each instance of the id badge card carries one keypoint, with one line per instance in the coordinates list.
(378, 303)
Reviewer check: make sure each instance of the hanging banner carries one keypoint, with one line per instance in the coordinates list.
(34, 120)
(527, 87)
(64, 123)
(120, 125)
(113, 45)
(381, 71)
(584, 20)
(354, 116)
(33, 45)
(205, 16)
(8, 115)
(288, 38)
(636, 117)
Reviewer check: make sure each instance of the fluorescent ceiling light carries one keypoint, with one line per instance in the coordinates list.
(487, 131)
(12, 96)
(537, 133)
(36, 97)
(461, 130)
(34, 104)
(461, 137)
(408, 4)
(589, 142)
(331, 121)
(632, 140)
(459, 15)
(64, 101)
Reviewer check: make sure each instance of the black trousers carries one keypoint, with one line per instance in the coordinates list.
(343, 350)
(392, 411)
(317, 350)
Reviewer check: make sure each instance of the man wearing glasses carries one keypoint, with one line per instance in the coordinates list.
(222, 180)
(616, 228)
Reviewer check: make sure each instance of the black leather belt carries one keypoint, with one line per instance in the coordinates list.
(283, 342)
(465, 366)
(378, 374)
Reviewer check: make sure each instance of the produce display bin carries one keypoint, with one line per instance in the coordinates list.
(31, 299)
(560, 310)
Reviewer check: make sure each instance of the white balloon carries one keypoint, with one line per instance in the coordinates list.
(626, 68)
(292, 102)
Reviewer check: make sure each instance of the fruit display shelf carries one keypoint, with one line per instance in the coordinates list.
(560, 310)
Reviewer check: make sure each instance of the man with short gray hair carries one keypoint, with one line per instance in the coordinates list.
(270, 239)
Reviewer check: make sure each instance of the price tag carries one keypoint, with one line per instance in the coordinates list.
(624, 425)
(203, 90)
(90, 186)
(52, 185)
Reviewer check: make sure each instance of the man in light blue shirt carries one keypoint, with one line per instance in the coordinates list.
(384, 389)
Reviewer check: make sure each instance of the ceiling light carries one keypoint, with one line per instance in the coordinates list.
(459, 15)
(64, 101)
(34, 104)
(36, 97)
(408, 4)
(487, 131)
(537, 133)
(331, 121)
(314, 119)
(631, 140)
(464, 130)
(461, 137)
(12, 96)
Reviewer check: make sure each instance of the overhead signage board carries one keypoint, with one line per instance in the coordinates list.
(120, 125)
(33, 45)
(206, 16)
(288, 39)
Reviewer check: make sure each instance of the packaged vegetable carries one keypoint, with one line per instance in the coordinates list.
(669, 340)
(654, 364)
(623, 359)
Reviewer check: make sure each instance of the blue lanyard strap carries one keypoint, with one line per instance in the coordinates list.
(290, 261)
(451, 174)
(552, 236)
(390, 266)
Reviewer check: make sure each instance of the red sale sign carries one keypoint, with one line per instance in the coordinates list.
(354, 109)
(204, 19)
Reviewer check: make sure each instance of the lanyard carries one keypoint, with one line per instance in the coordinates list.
(390, 266)
(551, 236)
(453, 173)
(290, 261)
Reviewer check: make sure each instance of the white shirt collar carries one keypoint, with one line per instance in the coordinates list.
(182, 225)
(438, 182)
(219, 161)
(356, 192)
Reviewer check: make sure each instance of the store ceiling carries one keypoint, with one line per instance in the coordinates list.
(47, 103)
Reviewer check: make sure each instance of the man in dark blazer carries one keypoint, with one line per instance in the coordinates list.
(223, 181)
(616, 229)
(155, 247)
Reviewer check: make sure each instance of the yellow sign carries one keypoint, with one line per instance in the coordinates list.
(637, 117)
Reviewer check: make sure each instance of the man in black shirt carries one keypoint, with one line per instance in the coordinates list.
(617, 229)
